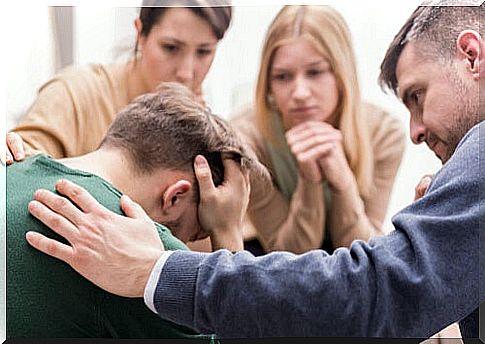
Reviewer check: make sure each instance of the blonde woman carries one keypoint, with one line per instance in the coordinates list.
(332, 156)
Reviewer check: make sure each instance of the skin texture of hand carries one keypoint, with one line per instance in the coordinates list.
(117, 253)
(221, 209)
(16, 150)
(422, 186)
(317, 147)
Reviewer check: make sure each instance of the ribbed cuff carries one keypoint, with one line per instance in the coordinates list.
(175, 293)
(153, 280)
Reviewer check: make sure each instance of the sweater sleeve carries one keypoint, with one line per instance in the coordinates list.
(411, 283)
(50, 124)
(296, 225)
(354, 217)
(73, 111)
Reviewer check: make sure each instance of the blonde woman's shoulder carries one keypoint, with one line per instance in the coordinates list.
(382, 122)
(244, 122)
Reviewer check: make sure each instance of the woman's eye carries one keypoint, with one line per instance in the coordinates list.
(170, 48)
(204, 52)
(315, 72)
(281, 77)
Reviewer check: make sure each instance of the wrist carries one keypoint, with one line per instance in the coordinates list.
(144, 271)
(231, 240)
(345, 183)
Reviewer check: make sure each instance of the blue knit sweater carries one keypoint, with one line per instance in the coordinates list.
(411, 283)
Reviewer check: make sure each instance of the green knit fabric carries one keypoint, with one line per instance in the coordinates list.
(45, 297)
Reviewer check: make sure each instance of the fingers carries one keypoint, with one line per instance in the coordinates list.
(311, 128)
(51, 219)
(232, 171)
(7, 158)
(132, 209)
(422, 186)
(80, 197)
(49, 246)
(16, 146)
(203, 174)
(313, 142)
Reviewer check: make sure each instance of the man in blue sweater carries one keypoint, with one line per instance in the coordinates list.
(411, 283)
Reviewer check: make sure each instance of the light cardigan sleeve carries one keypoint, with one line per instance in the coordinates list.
(299, 225)
(353, 217)
(296, 226)
(73, 111)
(50, 123)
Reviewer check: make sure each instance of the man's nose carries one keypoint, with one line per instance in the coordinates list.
(417, 130)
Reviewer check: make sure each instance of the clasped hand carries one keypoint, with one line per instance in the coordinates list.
(317, 147)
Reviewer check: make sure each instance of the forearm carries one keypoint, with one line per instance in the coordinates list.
(349, 220)
(232, 241)
(346, 294)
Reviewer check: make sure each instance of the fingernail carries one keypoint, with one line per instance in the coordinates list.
(30, 236)
(60, 183)
(8, 157)
(200, 161)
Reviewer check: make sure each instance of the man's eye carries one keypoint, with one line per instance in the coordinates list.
(417, 97)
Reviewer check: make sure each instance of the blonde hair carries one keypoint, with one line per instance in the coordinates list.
(327, 31)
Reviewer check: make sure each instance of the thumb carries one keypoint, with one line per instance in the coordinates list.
(131, 208)
(203, 174)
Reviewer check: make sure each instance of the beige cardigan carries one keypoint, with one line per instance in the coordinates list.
(299, 226)
(74, 110)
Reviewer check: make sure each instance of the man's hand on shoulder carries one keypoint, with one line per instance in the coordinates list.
(117, 253)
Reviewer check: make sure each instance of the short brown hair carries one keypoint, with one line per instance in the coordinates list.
(436, 28)
(169, 128)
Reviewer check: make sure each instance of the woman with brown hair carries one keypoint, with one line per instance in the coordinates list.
(73, 111)
(332, 156)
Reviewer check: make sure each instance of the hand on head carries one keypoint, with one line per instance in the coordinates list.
(222, 208)
(117, 253)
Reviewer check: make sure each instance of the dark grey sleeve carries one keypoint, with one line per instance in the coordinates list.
(411, 283)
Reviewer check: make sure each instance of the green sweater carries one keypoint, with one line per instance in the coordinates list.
(45, 297)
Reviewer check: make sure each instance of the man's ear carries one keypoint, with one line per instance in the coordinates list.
(471, 47)
(176, 193)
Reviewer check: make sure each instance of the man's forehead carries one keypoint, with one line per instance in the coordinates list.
(406, 68)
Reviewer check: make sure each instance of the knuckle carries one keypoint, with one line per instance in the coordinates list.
(55, 221)
(73, 193)
(60, 203)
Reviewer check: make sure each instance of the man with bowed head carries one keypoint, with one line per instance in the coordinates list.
(413, 282)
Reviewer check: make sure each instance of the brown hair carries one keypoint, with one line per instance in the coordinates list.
(436, 29)
(218, 15)
(169, 128)
(327, 31)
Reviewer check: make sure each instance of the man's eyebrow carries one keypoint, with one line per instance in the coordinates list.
(404, 95)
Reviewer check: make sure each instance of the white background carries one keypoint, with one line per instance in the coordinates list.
(102, 33)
